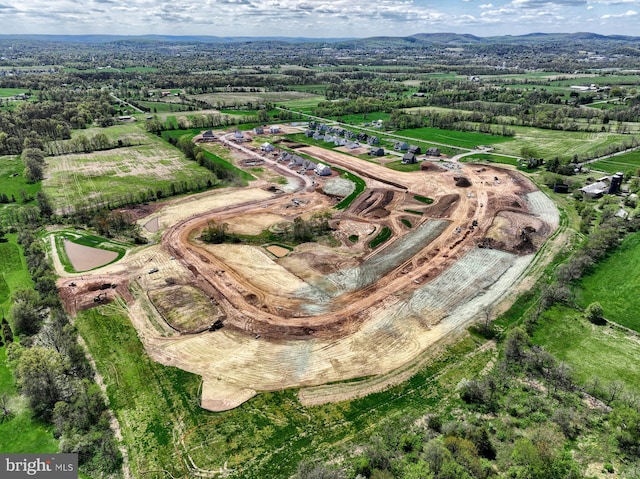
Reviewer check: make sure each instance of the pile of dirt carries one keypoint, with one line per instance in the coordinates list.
(443, 207)
(78, 294)
(462, 181)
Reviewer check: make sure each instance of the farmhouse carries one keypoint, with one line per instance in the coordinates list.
(604, 185)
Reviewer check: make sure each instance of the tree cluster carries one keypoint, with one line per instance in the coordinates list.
(52, 371)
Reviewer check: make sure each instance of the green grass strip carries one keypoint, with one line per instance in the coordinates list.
(360, 187)
(381, 237)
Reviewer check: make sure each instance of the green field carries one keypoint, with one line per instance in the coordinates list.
(9, 92)
(13, 271)
(163, 106)
(361, 118)
(615, 283)
(488, 157)
(400, 166)
(13, 185)
(266, 437)
(460, 139)
(304, 105)
(591, 351)
(21, 433)
(563, 144)
(623, 162)
(112, 175)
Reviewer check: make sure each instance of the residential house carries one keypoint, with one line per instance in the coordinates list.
(376, 151)
(322, 170)
(409, 159)
(267, 147)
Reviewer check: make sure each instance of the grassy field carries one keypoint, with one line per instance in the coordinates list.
(213, 151)
(13, 271)
(163, 106)
(488, 157)
(563, 144)
(400, 166)
(624, 163)
(460, 139)
(615, 283)
(591, 351)
(21, 433)
(13, 185)
(265, 437)
(108, 175)
(361, 118)
(304, 105)
(9, 92)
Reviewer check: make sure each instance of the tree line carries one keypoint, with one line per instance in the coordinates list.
(52, 371)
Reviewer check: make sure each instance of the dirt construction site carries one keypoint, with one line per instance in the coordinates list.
(250, 318)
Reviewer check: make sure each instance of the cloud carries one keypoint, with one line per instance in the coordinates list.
(308, 17)
(547, 3)
(629, 13)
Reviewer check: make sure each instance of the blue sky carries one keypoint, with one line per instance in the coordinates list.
(318, 18)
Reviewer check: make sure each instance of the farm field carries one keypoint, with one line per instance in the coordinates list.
(624, 162)
(460, 139)
(236, 98)
(592, 351)
(132, 132)
(615, 283)
(490, 158)
(163, 106)
(112, 175)
(564, 144)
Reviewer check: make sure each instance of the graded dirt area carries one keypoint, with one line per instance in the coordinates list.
(396, 276)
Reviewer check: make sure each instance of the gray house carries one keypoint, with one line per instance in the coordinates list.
(409, 159)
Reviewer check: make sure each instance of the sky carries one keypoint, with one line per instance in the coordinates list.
(318, 18)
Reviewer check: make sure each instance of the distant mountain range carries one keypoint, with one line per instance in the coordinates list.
(417, 39)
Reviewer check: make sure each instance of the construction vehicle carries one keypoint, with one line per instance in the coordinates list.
(100, 298)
